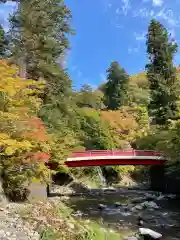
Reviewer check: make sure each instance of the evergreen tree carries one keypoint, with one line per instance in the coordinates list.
(39, 40)
(161, 73)
(116, 88)
(39, 36)
(3, 43)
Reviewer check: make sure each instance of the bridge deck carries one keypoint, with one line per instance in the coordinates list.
(115, 157)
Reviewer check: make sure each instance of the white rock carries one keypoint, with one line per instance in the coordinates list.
(102, 206)
(165, 214)
(134, 209)
(160, 197)
(125, 214)
(151, 233)
(130, 238)
(78, 213)
(71, 225)
(150, 204)
(2, 234)
(139, 207)
(109, 189)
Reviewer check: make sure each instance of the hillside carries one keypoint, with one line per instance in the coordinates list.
(141, 80)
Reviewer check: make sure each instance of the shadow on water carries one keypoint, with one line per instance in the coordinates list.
(115, 209)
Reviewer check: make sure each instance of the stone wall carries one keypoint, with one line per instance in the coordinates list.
(38, 191)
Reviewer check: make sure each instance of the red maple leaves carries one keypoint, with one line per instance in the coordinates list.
(35, 130)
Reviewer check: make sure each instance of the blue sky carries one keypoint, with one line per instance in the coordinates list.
(108, 30)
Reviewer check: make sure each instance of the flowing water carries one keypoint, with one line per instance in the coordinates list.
(120, 208)
(101, 177)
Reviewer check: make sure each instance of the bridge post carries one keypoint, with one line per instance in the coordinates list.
(157, 178)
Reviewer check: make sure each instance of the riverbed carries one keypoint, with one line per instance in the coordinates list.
(121, 209)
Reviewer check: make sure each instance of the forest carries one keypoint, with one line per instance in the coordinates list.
(43, 119)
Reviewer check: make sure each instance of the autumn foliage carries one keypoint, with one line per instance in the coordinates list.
(23, 137)
(35, 130)
(123, 121)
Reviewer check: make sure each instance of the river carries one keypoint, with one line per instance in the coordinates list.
(119, 208)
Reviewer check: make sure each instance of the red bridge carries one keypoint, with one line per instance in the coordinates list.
(115, 157)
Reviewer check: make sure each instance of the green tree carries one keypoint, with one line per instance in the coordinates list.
(39, 40)
(3, 43)
(137, 95)
(116, 88)
(87, 97)
(38, 43)
(161, 73)
(95, 133)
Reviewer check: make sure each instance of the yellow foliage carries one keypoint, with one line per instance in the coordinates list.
(141, 78)
(18, 93)
(123, 121)
(19, 103)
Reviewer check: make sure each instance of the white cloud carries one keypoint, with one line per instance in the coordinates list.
(168, 16)
(132, 50)
(163, 14)
(143, 12)
(126, 6)
(151, 13)
(107, 6)
(117, 11)
(157, 3)
(11, 4)
(140, 37)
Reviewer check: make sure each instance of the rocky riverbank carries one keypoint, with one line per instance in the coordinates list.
(12, 226)
(48, 220)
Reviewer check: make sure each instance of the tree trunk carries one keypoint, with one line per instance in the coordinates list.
(22, 67)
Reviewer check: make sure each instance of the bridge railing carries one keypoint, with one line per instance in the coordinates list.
(129, 152)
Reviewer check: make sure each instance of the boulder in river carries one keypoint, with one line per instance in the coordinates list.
(109, 189)
(139, 207)
(102, 206)
(140, 221)
(150, 233)
(117, 204)
(130, 238)
(150, 205)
